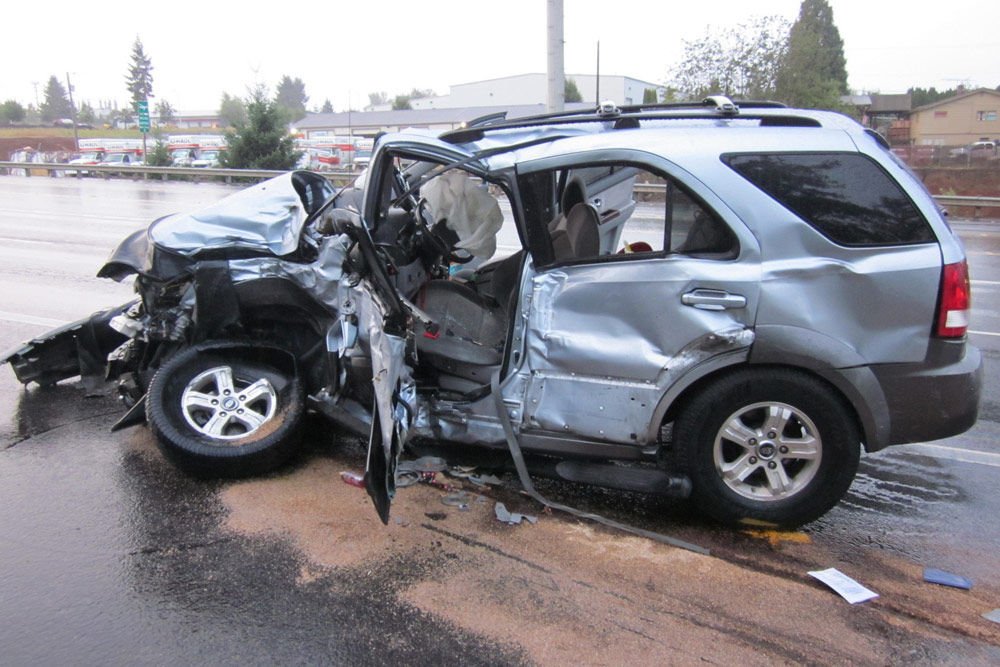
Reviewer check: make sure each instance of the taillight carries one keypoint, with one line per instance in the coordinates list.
(953, 301)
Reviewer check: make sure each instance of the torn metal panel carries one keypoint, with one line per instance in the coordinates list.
(603, 344)
(320, 278)
(394, 395)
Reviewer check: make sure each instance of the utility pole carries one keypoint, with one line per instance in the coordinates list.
(597, 89)
(557, 74)
(72, 114)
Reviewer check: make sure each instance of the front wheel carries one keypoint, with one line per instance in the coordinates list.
(218, 413)
(769, 445)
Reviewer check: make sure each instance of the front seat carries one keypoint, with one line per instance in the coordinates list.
(578, 235)
(471, 329)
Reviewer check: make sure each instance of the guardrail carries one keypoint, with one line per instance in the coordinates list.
(145, 173)
(337, 177)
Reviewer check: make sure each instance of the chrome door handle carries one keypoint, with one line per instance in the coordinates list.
(711, 299)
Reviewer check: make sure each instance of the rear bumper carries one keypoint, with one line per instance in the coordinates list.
(937, 398)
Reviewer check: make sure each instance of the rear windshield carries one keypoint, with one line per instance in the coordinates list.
(847, 197)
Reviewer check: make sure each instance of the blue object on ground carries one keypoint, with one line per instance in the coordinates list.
(936, 576)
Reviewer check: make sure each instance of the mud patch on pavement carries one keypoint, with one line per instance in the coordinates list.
(564, 590)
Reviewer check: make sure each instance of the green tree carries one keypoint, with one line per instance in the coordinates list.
(86, 114)
(166, 112)
(570, 92)
(649, 96)
(11, 112)
(921, 96)
(327, 106)
(262, 142)
(139, 79)
(291, 97)
(159, 155)
(56, 104)
(741, 61)
(814, 72)
(232, 110)
(378, 98)
(401, 102)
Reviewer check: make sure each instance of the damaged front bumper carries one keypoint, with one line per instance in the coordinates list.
(80, 348)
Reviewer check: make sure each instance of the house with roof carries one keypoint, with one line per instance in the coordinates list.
(957, 121)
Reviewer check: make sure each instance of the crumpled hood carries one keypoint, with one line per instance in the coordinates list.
(265, 219)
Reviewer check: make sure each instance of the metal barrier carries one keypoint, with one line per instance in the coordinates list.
(337, 177)
(164, 173)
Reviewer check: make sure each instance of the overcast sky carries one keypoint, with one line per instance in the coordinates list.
(345, 50)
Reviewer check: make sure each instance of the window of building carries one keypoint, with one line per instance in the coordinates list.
(986, 115)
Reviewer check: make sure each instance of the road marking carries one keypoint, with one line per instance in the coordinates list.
(957, 454)
(984, 333)
(30, 319)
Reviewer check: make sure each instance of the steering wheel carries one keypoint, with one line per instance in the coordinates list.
(425, 220)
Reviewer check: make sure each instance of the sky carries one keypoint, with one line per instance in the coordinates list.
(344, 50)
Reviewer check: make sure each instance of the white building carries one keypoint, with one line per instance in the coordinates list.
(525, 89)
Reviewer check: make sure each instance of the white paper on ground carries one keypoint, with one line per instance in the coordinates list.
(844, 586)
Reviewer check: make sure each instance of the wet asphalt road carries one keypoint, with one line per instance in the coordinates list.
(108, 555)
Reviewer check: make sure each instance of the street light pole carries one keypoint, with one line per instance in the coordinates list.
(72, 114)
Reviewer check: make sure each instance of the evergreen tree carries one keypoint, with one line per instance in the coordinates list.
(56, 104)
(232, 111)
(159, 155)
(814, 71)
(649, 96)
(291, 97)
(139, 79)
(570, 92)
(262, 142)
(327, 107)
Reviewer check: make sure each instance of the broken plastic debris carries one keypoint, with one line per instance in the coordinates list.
(511, 518)
(424, 464)
(992, 616)
(935, 576)
(459, 499)
(485, 480)
(405, 478)
(353, 478)
(844, 586)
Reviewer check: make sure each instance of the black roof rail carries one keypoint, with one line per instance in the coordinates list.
(629, 119)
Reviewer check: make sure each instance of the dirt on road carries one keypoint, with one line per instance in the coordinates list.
(563, 591)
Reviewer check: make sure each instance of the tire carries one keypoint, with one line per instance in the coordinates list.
(770, 446)
(185, 408)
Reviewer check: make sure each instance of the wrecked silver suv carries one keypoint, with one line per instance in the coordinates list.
(707, 299)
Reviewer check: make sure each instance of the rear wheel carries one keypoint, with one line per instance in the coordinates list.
(770, 445)
(217, 414)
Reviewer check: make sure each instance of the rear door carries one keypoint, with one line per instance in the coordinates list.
(673, 284)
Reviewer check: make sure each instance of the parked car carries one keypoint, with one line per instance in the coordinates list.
(983, 150)
(721, 300)
(208, 158)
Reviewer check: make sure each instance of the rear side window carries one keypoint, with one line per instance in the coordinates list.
(845, 196)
